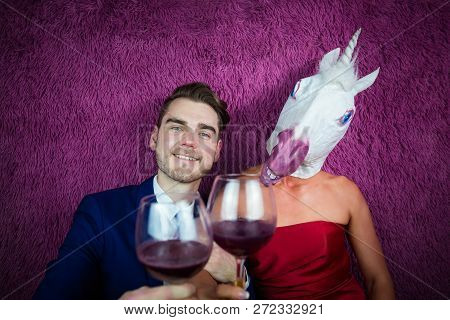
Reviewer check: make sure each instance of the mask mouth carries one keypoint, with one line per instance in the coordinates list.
(287, 156)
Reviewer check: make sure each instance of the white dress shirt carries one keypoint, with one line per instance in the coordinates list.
(169, 220)
(177, 220)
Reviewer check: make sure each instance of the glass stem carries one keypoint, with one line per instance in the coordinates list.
(240, 274)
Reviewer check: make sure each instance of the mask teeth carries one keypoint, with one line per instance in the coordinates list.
(271, 175)
(267, 176)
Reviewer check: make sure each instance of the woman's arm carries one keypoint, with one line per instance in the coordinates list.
(367, 248)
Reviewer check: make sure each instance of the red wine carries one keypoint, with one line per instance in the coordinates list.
(173, 259)
(242, 237)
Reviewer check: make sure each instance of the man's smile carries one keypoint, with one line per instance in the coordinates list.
(183, 157)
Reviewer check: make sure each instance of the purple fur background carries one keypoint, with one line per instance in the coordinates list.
(81, 83)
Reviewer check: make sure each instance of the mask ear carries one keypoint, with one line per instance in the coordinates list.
(329, 59)
(365, 82)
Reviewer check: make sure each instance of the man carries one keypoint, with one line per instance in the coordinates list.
(98, 258)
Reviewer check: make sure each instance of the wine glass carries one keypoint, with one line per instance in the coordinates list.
(173, 235)
(243, 216)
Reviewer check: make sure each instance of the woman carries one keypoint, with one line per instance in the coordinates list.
(307, 256)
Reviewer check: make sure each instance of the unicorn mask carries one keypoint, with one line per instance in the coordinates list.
(318, 113)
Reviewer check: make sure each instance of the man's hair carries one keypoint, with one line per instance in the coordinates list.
(198, 92)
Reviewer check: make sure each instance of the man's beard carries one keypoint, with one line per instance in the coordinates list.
(183, 175)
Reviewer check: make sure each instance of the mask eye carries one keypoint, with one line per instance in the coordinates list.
(295, 90)
(346, 117)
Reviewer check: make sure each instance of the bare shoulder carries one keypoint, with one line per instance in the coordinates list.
(347, 190)
(343, 184)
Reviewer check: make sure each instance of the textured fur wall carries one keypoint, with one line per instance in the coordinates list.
(81, 83)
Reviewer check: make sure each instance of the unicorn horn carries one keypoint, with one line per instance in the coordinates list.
(347, 56)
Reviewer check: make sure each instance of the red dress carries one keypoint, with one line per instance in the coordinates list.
(304, 261)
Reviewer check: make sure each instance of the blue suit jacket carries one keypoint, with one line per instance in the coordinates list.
(98, 257)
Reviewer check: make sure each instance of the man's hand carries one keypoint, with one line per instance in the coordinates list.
(285, 158)
(222, 291)
(221, 265)
(187, 291)
(169, 292)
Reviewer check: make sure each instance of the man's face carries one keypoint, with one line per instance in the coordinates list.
(187, 142)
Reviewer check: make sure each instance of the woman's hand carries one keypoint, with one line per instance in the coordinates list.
(221, 265)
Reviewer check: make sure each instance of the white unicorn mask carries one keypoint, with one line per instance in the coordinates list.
(322, 107)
